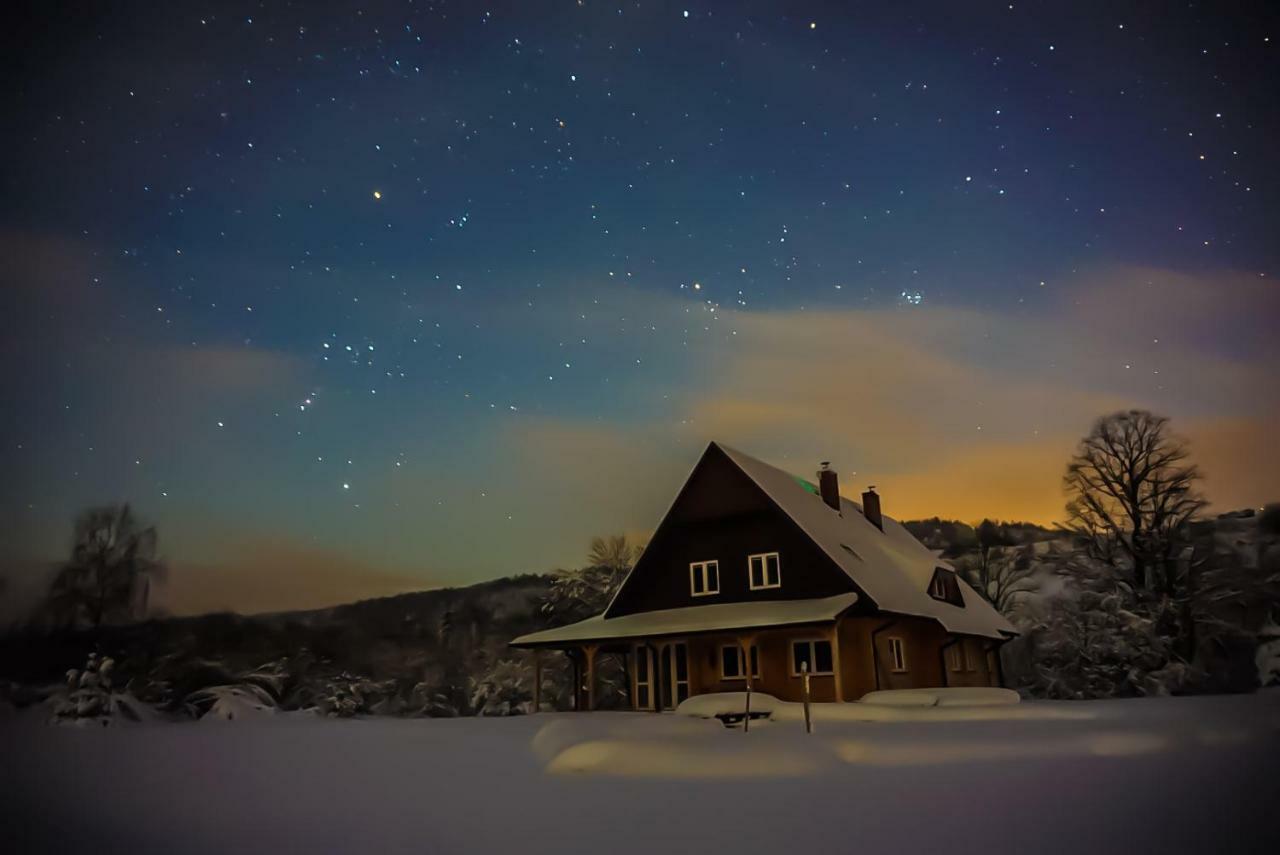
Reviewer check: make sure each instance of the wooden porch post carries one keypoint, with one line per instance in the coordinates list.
(577, 678)
(590, 651)
(835, 661)
(537, 680)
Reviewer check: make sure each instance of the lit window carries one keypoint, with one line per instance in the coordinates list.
(704, 578)
(731, 663)
(764, 571)
(955, 655)
(816, 654)
(898, 654)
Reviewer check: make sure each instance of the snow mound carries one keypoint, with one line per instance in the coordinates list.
(902, 698)
(718, 704)
(943, 704)
(958, 696)
(728, 703)
(677, 759)
(232, 703)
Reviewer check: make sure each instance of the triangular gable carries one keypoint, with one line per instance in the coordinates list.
(718, 494)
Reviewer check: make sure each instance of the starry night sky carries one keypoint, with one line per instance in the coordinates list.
(352, 299)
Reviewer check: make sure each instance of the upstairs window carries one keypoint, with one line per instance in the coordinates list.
(731, 663)
(938, 587)
(815, 653)
(764, 571)
(943, 586)
(897, 655)
(704, 578)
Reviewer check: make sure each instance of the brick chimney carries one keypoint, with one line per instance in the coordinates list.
(871, 508)
(829, 486)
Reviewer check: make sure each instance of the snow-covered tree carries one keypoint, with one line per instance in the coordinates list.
(578, 594)
(1229, 589)
(1267, 657)
(1090, 644)
(91, 697)
(505, 688)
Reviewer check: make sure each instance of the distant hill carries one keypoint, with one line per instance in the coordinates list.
(955, 538)
(423, 652)
(431, 641)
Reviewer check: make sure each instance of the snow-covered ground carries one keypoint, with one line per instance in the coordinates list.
(1134, 776)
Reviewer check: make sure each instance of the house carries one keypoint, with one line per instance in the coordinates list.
(755, 576)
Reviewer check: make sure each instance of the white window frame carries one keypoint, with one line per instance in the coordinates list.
(698, 570)
(764, 571)
(897, 655)
(741, 665)
(938, 588)
(813, 656)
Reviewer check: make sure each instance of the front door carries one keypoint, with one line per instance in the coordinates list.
(644, 677)
(675, 674)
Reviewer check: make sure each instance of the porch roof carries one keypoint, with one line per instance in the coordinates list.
(718, 617)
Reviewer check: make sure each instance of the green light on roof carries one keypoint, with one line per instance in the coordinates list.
(811, 487)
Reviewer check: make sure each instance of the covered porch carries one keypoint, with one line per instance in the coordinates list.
(673, 654)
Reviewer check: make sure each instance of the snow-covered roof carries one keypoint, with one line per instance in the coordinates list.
(716, 617)
(891, 566)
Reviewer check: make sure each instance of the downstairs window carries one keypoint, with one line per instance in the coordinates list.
(815, 653)
(731, 663)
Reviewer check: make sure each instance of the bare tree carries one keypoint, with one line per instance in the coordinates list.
(1130, 490)
(991, 537)
(1002, 575)
(113, 562)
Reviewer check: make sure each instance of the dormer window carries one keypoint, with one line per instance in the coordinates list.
(943, 586)
(764, 571)
(938, 587)
(704, 578)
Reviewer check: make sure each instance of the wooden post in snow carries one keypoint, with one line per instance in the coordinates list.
(804, 679)
(537, 680)
(745, 644)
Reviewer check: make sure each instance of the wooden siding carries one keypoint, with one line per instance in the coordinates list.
(775, 666)
(744, 522)
(923, 642)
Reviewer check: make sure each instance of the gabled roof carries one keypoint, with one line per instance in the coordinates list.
(717, 617)
(891, 566)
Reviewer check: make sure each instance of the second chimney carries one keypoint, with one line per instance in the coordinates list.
(871, 508)
(829, 486)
